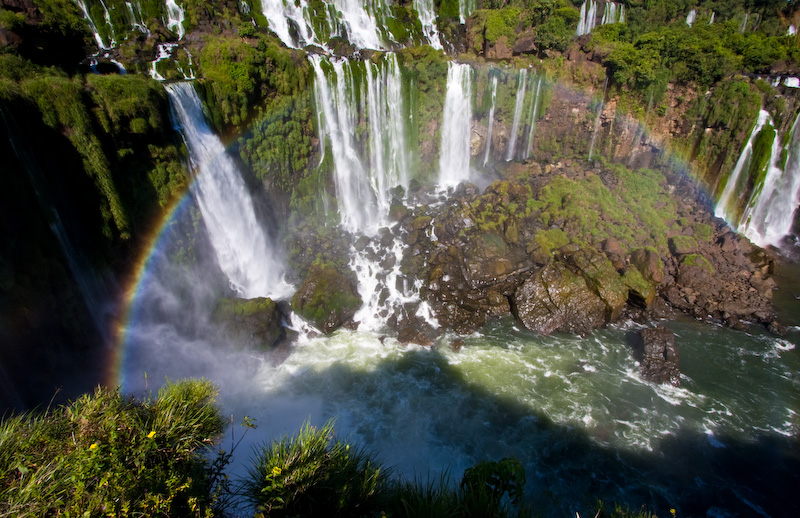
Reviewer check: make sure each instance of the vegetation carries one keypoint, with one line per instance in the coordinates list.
(108, 454)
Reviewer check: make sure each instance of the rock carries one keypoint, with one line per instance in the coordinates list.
(254, 323)
(413, 335)
(361, 243)
(777, 329)
(397, 212)
(555, 299)
(658, 355)
(682, 245)
(649, 264)
(327, 298)
(499, 50)
(640, 292)
(602, 278)
(525, 43)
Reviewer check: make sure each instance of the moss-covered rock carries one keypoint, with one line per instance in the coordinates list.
(640, 292)
(649, 264)
(254, 323)
(555, 299)
(327, 298)
(682, 245)
(602, 279)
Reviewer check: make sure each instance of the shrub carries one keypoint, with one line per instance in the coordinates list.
(312, 474)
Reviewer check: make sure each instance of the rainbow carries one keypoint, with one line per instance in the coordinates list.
(114, 372)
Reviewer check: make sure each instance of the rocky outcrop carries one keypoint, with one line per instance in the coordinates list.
(656, 352)
(253, 323)
(327, 298)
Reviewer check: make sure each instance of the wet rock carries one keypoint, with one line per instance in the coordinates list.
(328, 298)
(413, 335)
(361, 243)
(253, 323)
(658, 355)
(525, 43)
(555, 299)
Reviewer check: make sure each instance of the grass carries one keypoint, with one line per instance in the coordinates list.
(108, 454)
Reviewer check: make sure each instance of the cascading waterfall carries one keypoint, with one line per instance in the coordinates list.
(691, 17)
(175, 17)
(726, 205)
(362, 193)
(454, 155)
(349, 18)
(519, 101)
(587, 19)
(280, 14)
(427, 16)
(137, 20)
(243, 249)
(597, 118)
(532, 119)
(612, 13)
(92, 26)
(770, 211)
(491, 122)
(465, 9)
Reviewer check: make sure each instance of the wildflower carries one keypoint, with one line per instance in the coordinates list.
(672, 511)
(276, 471)
(93, 446)
(151, 434)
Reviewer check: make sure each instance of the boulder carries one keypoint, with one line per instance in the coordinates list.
(640, 292)
(682, 245)
(658, 355)
(602, 278)
(413, 335)
(555, 299)
(649, 264)
(328, 297)
(525, 43)
(253, 323)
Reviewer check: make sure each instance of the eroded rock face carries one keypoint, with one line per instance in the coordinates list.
(556, 299)
(658, 356)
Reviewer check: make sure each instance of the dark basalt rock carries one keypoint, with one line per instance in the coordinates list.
(656, 352)
(253, 323)
(555, 299)
(328, 298)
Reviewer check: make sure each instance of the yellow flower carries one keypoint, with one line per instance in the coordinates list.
(672, 511)
(93, 446)
(151, 434)
(276, 471)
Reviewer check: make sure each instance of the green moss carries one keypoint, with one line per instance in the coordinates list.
(551, 239)
(702, 232)
(698, 261)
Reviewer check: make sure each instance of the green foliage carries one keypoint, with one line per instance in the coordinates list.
(506, 476)
(703, 232)
(315, 474)
(698, 261)
(107, 454)
(762, 152)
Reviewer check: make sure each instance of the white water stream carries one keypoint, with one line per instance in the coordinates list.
(454, 157)
(491, 122)
(241, 245)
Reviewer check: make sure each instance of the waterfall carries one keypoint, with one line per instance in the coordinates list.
(427, 17)
(344, 18)
(175, 17)
(242, 248)
(491, 122)
(691, 17)
(712, 18)
(588, 15)
(532, 119)
(137, 20)
(597, 118)
(164, 51)
(770, 213)
(726, 206)
(743, 25)
(456, 125)
(519, 101)
(340, 97)
(99, 39)
(280, 13)
(465, 9)
(612, 13)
